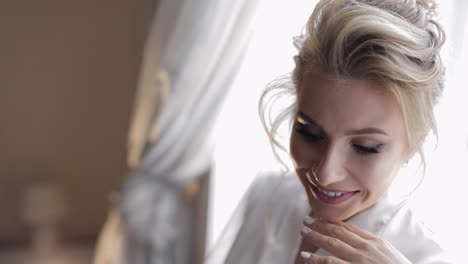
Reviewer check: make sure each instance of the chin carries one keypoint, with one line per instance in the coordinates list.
(333, 217)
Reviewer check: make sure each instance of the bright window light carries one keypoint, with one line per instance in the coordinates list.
(243, 150)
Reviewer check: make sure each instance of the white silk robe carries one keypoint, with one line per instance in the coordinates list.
(266, 227)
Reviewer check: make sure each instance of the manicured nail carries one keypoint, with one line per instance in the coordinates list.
(305, 254)
(309, 220)
(306, 230)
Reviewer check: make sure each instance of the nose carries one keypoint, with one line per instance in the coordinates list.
(331, 167)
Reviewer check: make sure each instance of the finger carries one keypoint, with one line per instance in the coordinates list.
(332, 244)
(358, 231)
(340, 232)
(309, 257)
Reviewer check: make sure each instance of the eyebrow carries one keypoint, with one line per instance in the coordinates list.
(306, 120)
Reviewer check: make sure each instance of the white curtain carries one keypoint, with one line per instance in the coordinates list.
(440, 198)
(193, 53)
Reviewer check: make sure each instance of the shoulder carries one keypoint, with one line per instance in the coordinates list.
(277, 200)
(412, 238)
(269, 230)
(276, 181)
(280, 188)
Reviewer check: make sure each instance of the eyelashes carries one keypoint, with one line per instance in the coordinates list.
(307, 136)
(364, 150)
(317, 138)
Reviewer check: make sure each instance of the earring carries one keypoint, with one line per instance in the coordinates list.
(405, 164)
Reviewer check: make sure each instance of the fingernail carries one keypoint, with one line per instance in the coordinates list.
(309, 220)
(305, 254)
(306, 230)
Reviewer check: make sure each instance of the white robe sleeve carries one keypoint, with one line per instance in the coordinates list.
(265, 228)
(217, 254)
(414, 240)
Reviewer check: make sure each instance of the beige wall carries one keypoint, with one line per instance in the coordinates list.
(67, 76)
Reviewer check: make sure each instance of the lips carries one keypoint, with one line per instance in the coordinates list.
(333, 193)
(332, 196)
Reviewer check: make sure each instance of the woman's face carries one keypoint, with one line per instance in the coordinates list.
(351, 134)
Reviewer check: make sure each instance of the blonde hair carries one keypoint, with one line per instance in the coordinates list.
(392, 42)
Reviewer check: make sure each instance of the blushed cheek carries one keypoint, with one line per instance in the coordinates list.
(297, 159)
(296, 152)
(375, 176)
(303, 155)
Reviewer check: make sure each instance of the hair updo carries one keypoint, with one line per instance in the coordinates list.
(395, 43)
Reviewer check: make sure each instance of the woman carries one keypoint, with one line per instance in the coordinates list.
(367, 77)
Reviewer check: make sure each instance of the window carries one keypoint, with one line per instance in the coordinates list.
(242, 147)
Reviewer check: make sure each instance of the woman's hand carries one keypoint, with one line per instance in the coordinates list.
(348, 244)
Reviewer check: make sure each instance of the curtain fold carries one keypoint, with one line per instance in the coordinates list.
(192, 55)
(197, 47)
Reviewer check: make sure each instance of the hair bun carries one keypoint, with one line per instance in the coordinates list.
(429, 5)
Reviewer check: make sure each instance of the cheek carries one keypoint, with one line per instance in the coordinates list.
(295, 151)
(374, 173)
(303, 154)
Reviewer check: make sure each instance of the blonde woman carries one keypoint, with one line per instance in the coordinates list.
(368, 74)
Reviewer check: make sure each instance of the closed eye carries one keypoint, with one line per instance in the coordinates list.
(306, 135)
(364, 150)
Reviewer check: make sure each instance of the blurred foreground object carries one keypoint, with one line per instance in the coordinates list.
(109, 245)
(192, 55)
(43, 210)
(44, 207)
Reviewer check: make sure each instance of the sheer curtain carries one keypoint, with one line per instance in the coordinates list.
(439, 200)
(193, 53)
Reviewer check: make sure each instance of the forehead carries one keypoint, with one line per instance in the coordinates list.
(339, 105)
